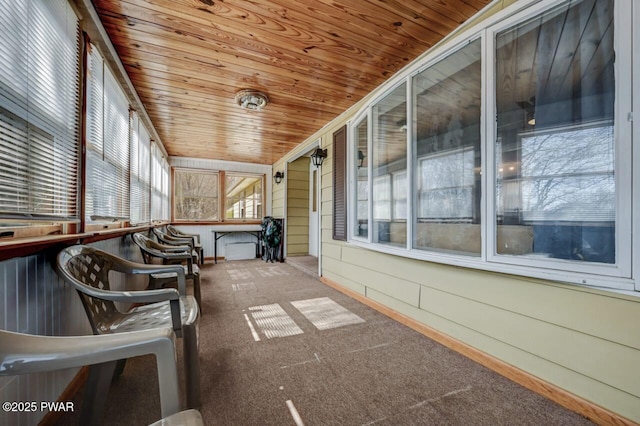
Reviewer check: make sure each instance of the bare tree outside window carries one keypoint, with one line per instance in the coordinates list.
(196, 195)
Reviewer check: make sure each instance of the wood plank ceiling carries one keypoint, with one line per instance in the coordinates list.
(314, 59)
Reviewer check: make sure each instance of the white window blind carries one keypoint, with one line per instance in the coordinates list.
(140, 171)
(39, 98)
(107, 192)
(166, 214)
(159, 184)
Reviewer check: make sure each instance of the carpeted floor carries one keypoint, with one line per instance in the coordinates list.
(278, 347)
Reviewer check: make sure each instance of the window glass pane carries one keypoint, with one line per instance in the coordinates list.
(362, 176)
(140, 145)
(555, 187)
(196, 195)
(108, 152)
(447, 98)
(157, 195)
(389, 157)
(243, 197)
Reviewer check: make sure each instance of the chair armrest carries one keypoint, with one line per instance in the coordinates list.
(177, 249)
(133, 268)
(136, 296)
(24, 354)
(178, 241)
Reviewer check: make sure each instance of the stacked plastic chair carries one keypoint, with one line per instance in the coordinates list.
(169, 254)
(175, 232)
(167, 239)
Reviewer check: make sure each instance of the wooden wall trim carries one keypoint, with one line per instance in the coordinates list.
(593, 412)
(52, 417)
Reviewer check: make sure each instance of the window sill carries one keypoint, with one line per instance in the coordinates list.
(588, 281)
(218, 222)
(106, 234)
(20, 247)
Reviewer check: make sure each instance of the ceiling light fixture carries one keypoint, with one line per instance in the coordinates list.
(251, 99)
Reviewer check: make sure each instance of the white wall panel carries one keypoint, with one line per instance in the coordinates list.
(34, 300)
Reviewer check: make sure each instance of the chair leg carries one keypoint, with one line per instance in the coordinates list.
(191, 365)
(119, 368)
(95, 395)
(196, 291)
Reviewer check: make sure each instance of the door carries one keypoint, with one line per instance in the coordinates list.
(313, 210)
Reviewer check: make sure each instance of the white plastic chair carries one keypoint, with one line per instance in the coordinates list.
(87, 269)
(25, 354)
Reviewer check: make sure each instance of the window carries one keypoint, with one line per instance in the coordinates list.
(555, 156)
(39, 103)
(159, 184)
(361, 166)
(389, 155)
(107, 192)
(195, 195)
(447, 99)
(243, 196)
(140, 145)
(520, 156)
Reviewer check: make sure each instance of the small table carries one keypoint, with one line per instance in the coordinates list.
(222, 230)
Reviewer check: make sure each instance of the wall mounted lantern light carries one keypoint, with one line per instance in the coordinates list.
(360, 158)
(318, 156)
(278, 177)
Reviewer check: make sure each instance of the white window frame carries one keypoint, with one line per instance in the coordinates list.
(352, 173)
(618, 276)
(581, 272)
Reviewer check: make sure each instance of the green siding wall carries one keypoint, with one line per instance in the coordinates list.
(583, 340)
(297, 239)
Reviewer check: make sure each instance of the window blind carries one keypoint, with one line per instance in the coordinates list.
(159, 184)
(39, 109)
(140, 171)
(107, 133)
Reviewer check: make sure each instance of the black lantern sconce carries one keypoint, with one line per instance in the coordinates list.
(278, 177)
(318, 156)
(360, 158)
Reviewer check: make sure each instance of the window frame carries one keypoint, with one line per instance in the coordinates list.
(174, 198)
(139, 176)
(580, 272)
(59, 181)
(616, 277)
(221, 201)
(352, 177)
(107, 150)
(259, 176)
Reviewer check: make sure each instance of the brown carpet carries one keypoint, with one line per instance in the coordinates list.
(339, 369)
